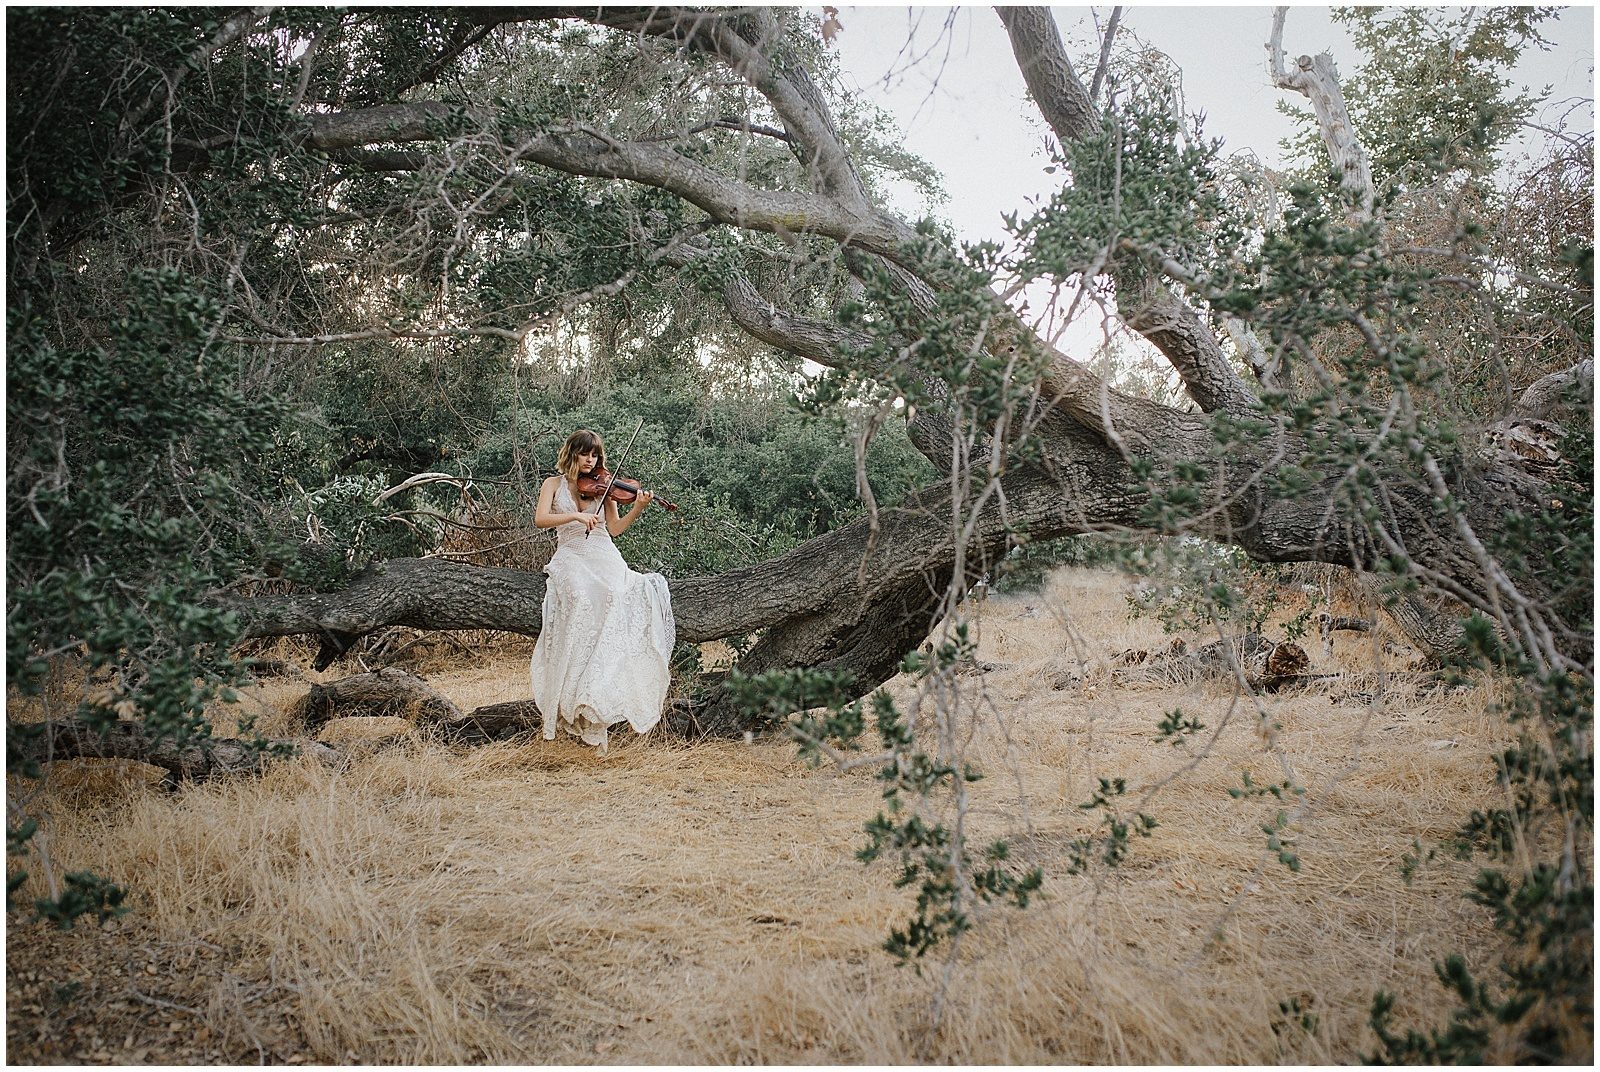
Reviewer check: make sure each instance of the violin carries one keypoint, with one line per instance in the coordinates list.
(592, 485)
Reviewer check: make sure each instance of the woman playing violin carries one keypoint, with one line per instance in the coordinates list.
(607, 635)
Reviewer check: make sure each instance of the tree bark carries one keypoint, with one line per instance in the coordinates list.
(1547, 396)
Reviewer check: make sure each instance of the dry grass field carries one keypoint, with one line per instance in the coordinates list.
(531, 902)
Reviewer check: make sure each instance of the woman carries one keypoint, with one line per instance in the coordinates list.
(602, 653)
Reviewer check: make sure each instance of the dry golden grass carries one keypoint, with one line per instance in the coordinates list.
(530, 902)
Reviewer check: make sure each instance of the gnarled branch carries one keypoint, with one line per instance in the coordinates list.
(1316, 78)
(579, 151)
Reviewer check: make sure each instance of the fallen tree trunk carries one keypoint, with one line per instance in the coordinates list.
(842, 600)
(197, 761)
(851, 600)
(382, 692)
(400, 693)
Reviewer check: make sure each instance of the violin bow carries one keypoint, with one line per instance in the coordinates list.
(600, 507)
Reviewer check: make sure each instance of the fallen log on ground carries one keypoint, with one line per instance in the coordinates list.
(494, 722)
(1261, 662)
(389, 691)
(1332, 623)
(395, 692)
(398, 692)
(198, 760)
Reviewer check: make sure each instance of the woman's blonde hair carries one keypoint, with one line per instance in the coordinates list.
(580, 442)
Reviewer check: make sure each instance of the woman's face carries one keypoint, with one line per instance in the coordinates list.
(587, 460)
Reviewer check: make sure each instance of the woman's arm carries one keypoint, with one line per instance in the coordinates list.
(545, 515)
(618, 525)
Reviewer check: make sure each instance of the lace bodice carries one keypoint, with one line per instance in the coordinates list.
(572, 532)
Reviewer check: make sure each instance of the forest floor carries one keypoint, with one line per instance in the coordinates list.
(673, 902)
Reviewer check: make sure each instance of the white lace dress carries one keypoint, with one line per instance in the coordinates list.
(606, 639)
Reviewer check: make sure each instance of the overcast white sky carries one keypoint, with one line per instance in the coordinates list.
(948, 77)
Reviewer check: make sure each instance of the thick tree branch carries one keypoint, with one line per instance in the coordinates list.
(1168, 322)
(1055, 87)
(1264, 365)
(825, 342)
(588, 152)
(1101, 492)
(821, 341)
(831, 593)
(1318, 80)
(377, 161)
(1548, 393)
(750, 42)
(749, 46)
(1188, 344)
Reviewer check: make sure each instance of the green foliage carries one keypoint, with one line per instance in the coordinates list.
(771, 697)
(1109, 844)
(1280, 842)
(129, 503)
(1175, 727)
(1251, 789)
(85, 893)
(134, 435)
(1540, 890)
(1295, 1013)
(1143, 179)
(1432, 94)
(69, 155)
(1479, 1017)
(126, 502)
(1545, 908)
